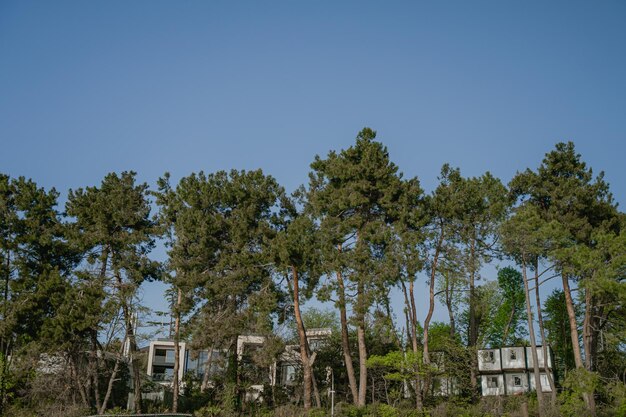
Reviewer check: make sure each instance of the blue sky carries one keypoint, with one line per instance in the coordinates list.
(87, 88)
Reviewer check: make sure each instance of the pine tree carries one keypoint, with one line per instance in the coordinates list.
(354, 195)
(113, 228)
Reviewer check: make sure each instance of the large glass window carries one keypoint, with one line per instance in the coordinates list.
(288, 373)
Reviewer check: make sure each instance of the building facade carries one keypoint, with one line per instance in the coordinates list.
(510, 370)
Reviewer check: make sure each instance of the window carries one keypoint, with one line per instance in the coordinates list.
(288, 374)
(517, 381)
(489, 356)
(492, 382)
(164, 355)
(513, 355)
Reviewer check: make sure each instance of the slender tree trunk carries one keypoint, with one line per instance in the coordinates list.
(95, 370)
(589, 342)
(431, 309)
(413, 318)
(360, 331)
(116, 369)
(533, 343)
(93, 357)
(431, 295)
(136, 371)
(507, 328)
(449, 291)
(473, 323)
(411, 315)
(573, 327)
(345, 341)
(304, 351)
(176, 381)
(396, 336)
(361, 310)
(542, 332)
(81, 388)
(132, 344)
(207, 370)
(4, 350)
(316, 393)
(588, 332)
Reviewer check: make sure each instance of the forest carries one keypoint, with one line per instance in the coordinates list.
(540, 261)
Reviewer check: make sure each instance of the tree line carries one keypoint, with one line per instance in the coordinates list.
(243, 255)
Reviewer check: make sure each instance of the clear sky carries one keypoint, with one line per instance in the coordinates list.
(90, 87)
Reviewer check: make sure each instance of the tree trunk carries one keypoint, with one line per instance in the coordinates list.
(573, 327)
(105, 402)
(4, 345)
(93, 357)
(345, 342)
(533, 343)
(411, 315)
(304, 348)
(316, 393)
(77, 380)
(588, 332)
(207, 370)
(360, 331)
(449, 291)
(132, 346)
(411, 333)
(94, 368)
(175, 381)
(431, 294)
(431, 308)
(544, 346)
(116, 369)
(507, 328)
(473, 324)
(361, 310)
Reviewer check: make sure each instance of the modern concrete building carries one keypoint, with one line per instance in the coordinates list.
(161, 358)
(509, 370)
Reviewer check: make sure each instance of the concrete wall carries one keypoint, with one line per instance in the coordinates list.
(167, 345)
(489, 360)
(492, 384)
(513, 358)
(516, 383)
(529, 357)
(545, 384)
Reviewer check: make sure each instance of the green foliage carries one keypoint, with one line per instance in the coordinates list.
(399, 365)
(506, 324)
(556, 323)
(577, 383)
(210, 411)
(616, 395)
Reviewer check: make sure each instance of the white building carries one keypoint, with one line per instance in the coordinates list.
(161, 358)
(509, 370)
